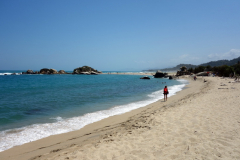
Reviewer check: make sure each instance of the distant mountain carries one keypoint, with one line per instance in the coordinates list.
(221, 62)
(178, 67)
(212, 64)
(173, 69)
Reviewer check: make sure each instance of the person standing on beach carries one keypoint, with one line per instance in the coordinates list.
(165, 92)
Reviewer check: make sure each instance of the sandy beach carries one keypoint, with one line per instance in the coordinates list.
(199, 122)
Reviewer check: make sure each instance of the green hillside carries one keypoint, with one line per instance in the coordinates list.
(212, 64)
(221, 62)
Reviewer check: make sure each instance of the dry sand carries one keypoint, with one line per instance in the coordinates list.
(200, 122)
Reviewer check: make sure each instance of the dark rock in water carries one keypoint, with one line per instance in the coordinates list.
(44, 71)
(145, 77)
(159, 74)
(53, 71)
(48, 71)
(30, 71)
(62, 72)
(76, 72)
(85, 69)
(170, 77)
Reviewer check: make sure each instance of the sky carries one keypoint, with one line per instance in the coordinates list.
(117, 35)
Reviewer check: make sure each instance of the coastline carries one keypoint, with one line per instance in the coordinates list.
(49, 141)
(141, 93)
(180, 123)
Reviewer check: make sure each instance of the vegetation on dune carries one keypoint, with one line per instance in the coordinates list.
(204, 66)
(223, 70)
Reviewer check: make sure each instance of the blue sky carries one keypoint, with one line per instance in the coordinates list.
(121, 35)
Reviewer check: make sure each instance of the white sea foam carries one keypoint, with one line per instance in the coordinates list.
(10, 138)
(3, 74)
(57, 118)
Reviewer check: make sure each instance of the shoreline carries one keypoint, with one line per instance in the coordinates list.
(19, 136)
(201, 121)
(49, 141)
(60, 124)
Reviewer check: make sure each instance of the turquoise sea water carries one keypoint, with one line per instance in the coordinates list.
(36, 106)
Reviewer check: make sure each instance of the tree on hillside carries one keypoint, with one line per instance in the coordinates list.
(199, 69)
(190, 70)
(208, 68)
(236, 68)
(183, 68)
(224, 70)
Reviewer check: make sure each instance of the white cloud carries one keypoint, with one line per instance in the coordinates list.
(184, 56)
(233, 53)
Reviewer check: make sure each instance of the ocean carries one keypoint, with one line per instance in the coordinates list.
(37, 106)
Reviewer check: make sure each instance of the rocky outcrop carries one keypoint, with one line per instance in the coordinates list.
(29, 72)
(183, 71)
(62, 72)
(146, 77)
(53, 71)
(48, 71)
(94, 73)
(159, 74)
(85, 70)
(44, 71)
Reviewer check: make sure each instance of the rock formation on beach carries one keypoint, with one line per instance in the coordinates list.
(183, 71)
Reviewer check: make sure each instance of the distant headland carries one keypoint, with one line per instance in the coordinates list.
(212, 64)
